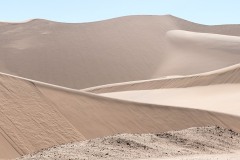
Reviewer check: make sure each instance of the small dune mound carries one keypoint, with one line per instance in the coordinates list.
(192, 141)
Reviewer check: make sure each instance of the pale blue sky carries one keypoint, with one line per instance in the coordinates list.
(200, 11)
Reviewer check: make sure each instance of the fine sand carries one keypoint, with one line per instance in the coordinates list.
(228, 75)
(117, 50)
(147, 75)
(35, 115)
(219, 98)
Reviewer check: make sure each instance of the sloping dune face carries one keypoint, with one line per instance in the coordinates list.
(184, 48)
(98, 116)
(28, 120)
(36, 116)
(193, 52)
(118, 50)
(214, 91)
(228, 75)
(222, 98)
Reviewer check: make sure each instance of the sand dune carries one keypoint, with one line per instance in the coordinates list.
(28, 120)
(229, 75)
(118, 50)
(201, 51)
(219, 98)
(200, 142)
(7, 150)
(35, 115)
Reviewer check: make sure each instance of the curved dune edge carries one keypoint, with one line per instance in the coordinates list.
(223, 98)
(28, 120)
(19, 22)
(176, 35)
(203, 141)
(139, 47)
(36, 115)
(99, 21)
(226, 75)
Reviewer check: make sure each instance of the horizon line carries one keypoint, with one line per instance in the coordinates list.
(107, 19)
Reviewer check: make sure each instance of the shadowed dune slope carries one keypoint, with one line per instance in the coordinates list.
(118, 50)
(28, 120)
(35, 115)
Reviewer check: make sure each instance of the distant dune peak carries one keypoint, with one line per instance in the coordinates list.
(42, 20)
(70, 55)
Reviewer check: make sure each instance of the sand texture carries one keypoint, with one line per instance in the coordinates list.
(109, 89)
(228, 75)
(218, 98)
(200, 142)
(37, 115)
(117, 50)
(28, 120)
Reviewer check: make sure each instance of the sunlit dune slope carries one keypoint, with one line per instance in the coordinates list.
(36, 115)
(111, 51)
(29, 121)
(228, 75)
(222, 98)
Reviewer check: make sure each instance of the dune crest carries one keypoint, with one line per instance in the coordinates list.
(42, 115)
(123, 49)
(219, 98)
(46, 107)
(28, 120)
(229, 75)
